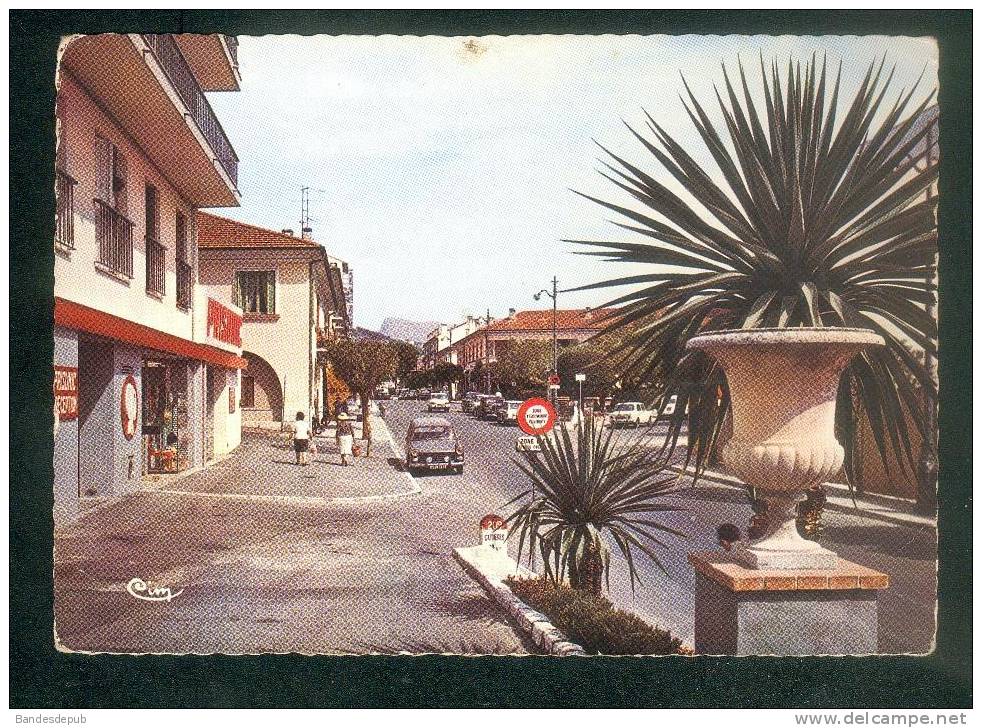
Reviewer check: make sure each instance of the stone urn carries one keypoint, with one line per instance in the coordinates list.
(783, 385)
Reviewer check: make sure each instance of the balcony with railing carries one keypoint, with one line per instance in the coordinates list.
(114, 234)
(156, 268)
(172, 61)
(185, 285)
(64, 211)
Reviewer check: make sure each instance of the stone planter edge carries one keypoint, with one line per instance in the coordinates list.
(542, 632)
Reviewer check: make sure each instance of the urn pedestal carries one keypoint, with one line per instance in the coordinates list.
(783, 385)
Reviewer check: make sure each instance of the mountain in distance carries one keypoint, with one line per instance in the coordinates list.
(414, 332)
(363, 334)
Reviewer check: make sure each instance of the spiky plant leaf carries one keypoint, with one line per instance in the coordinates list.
(585, 488)
(818, 219)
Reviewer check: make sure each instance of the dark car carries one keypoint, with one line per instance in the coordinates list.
(468, 402)
(490, 409)
(432, 444)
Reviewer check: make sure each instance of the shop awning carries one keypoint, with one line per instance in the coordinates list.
(82, 318)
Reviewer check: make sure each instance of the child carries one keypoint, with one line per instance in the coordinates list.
(346, 437)
(301, 439)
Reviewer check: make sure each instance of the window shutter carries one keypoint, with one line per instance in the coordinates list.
(270, 292)
(103, 170)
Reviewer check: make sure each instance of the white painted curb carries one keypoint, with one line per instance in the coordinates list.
(489, 569)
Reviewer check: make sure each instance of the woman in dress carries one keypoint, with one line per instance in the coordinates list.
(345, 436)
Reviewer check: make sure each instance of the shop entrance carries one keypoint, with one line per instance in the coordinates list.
(98, 416)
(166, 425)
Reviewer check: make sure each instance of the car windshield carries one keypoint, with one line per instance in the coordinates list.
(439, 395)
(429, 433)
(624, 408)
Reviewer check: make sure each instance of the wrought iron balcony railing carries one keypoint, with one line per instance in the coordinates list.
(64, 211)
(170, 58)
(114, 234)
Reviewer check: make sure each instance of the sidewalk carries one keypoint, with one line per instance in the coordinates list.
(264, 465)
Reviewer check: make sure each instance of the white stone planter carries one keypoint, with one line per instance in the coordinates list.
(783, 386)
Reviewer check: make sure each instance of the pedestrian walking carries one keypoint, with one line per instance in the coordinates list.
(345, 436)
(301, 438)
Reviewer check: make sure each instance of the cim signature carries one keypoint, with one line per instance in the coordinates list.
(139, 589)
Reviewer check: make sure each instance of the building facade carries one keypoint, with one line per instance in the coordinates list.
(293, 299)
(482, 347)
(140, 356)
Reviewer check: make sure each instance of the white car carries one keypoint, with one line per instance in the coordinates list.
(508, 411)
(631, 414)
(438, 402)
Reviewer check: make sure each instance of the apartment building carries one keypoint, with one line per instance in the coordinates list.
(293, 300)
(145, 366)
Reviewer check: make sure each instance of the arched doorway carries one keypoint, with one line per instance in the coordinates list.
(262, 395)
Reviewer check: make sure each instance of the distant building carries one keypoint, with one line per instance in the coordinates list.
(482, 347)
(293, 300)
(144, 363)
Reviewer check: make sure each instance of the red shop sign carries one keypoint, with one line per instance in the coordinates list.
(66, 392)
(224, 324)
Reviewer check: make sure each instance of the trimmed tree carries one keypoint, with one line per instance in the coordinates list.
(523, 366)
(407, 356)
(363, 365)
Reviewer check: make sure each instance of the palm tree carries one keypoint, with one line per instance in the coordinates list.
(583, 489)
(812, 221)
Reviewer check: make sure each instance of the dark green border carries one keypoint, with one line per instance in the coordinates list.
(42, 677)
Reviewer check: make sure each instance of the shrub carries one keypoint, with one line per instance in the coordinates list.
(593, 622)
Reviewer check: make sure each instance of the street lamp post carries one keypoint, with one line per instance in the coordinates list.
(555, 324)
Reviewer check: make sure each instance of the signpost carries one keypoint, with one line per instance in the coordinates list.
(580, 378)
(494, 533)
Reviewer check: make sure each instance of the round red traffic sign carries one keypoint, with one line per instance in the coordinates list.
(553, 379)
(536, 416)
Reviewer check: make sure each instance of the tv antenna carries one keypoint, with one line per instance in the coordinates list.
(304, 207)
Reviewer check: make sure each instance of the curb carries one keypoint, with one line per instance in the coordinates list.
(489, 569)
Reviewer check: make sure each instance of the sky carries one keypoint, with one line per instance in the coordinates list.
(441, 169)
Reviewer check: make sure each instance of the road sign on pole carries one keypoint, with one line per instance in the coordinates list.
(553, 380)
(536, 416)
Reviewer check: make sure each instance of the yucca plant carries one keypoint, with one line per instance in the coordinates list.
(583, 489)
(811, 219)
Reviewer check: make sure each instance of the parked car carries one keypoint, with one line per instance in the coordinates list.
(438, 402)
(432, 444)
(468, 401)
(508, 410)
(631, 414)
(423, 394)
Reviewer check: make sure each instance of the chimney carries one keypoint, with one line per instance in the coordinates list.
(287, 231)
(306, 233)
(511, 313)
(587, 313)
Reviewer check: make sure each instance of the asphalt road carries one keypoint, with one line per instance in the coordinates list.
(665, 597)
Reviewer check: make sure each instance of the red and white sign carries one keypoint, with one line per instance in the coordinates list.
(494, 532)
(553, 379)
(66, 393)
(224, 324)
(536, 416)
(129, 403)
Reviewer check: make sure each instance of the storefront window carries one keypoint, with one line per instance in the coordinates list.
(166, 428)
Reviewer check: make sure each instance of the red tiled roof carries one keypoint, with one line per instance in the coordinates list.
(566, 320)
(220, 232)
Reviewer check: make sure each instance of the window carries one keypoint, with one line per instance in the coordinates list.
(156, 252)
(248, 391)
(184, 270)
(255, 291)
(114, 232)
